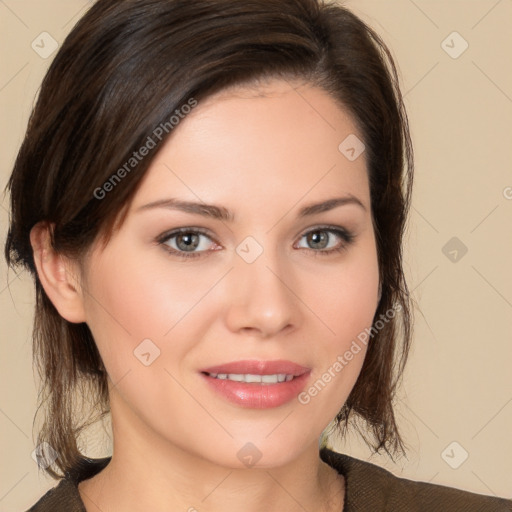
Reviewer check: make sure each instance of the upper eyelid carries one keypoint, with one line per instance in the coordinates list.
(173, 232)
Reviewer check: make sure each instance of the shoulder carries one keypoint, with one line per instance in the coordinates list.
(370, 487)
(65, 497)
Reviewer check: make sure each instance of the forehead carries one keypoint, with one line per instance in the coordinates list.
(262, 112)
(273, 142)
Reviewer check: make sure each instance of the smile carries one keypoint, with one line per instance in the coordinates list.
(252, 378)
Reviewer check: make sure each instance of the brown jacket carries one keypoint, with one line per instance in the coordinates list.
(368, 488)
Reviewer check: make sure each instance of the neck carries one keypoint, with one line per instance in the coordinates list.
(147, 472)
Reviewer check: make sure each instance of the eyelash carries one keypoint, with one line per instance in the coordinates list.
(346, 236)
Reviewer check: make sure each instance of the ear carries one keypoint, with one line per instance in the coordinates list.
(58, 274)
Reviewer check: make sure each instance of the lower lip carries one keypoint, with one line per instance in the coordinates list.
(257, 396)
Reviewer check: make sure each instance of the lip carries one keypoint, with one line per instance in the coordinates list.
(257, 395)
(255, 367)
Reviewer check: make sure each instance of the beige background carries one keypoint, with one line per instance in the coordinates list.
(458, 385)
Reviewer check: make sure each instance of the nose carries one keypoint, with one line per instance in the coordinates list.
(261, 298)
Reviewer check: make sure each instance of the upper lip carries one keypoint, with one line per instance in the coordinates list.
(255, 367)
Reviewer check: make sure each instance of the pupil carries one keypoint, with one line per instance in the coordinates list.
(188, 241)
(318, 239)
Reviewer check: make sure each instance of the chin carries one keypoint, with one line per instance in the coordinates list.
(262, 452)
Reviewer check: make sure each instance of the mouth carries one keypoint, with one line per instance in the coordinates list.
(251, 378)
(253, 371)
(257, 384)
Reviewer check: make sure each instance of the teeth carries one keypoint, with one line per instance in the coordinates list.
(248, 377)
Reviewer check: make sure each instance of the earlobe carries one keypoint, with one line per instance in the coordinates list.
(57, 274)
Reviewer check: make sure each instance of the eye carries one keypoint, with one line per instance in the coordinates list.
(187, 242)
(194, 242)
(327, 240)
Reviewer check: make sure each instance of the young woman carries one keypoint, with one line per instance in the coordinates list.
(211, 197)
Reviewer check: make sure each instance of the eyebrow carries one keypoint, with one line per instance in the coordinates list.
(221, 213)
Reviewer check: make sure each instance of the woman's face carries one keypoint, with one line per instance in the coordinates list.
(280, 266)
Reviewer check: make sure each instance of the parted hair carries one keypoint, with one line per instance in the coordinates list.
(124, 69)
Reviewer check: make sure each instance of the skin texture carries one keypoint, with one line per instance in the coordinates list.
(263, 153)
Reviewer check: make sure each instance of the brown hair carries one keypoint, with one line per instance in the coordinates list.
(125, 69)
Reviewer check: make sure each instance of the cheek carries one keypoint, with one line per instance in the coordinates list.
(345, 301)
(132, 299)
(345, 296)
(141, 299)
